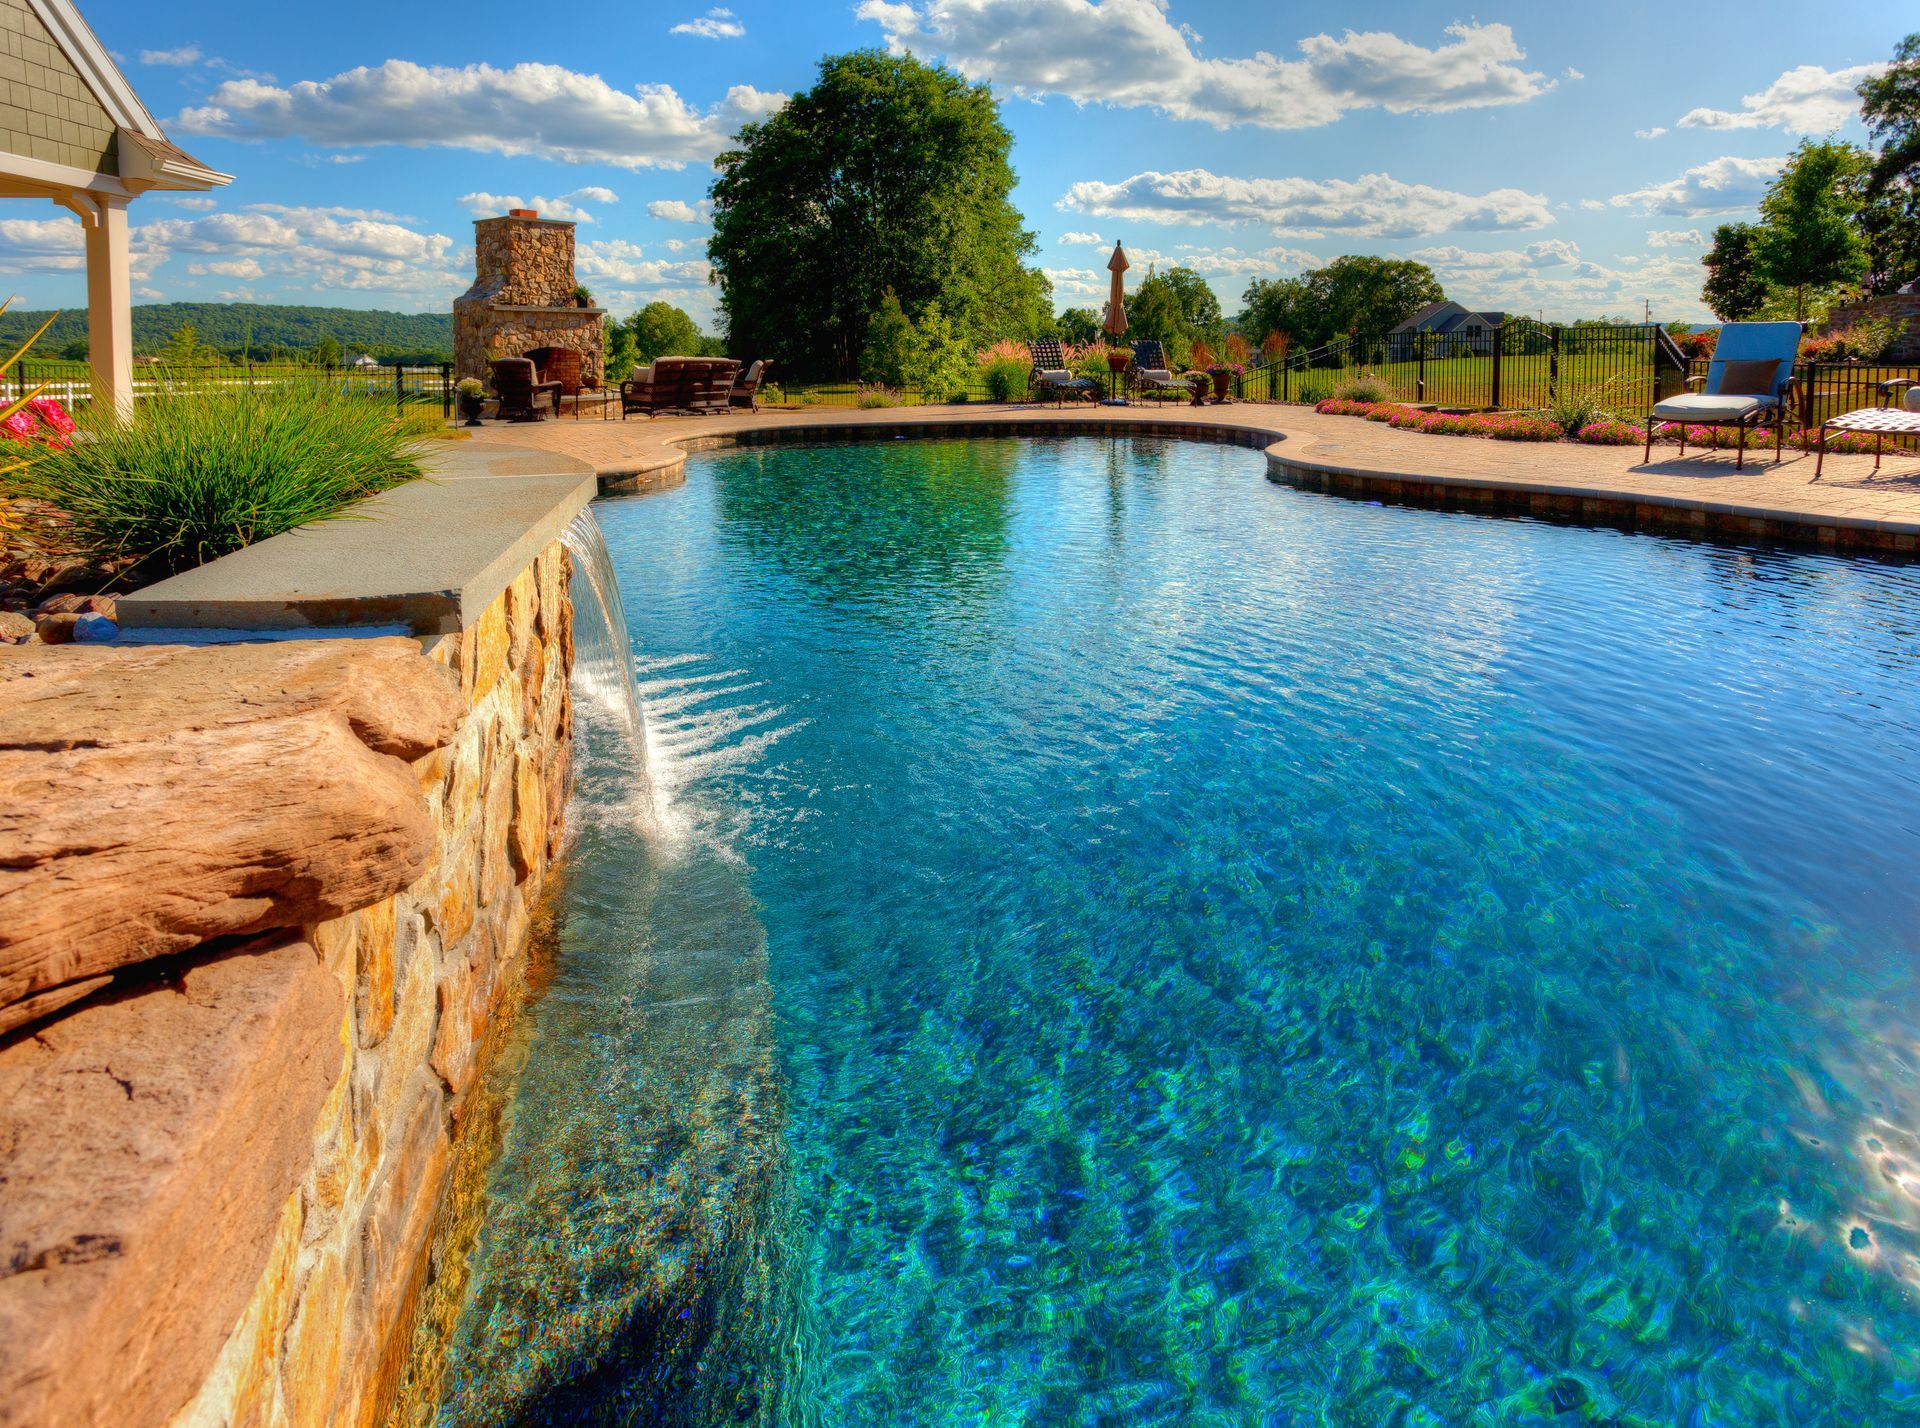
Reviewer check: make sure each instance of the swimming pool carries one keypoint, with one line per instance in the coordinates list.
(1110, 939)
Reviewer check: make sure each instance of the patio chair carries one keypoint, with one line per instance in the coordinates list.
(1051, 374)
(1747, 386)
(523, 396)
(558, 364)
(1886, 420)
(1151, 372)
(746, 386)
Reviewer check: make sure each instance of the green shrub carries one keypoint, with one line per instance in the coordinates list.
(1006, 378)
(936, 361)
(198, 474)
(877, 396)
(1363, 389)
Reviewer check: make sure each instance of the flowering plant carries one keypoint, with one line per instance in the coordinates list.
(1232, 368)
(1611, 433)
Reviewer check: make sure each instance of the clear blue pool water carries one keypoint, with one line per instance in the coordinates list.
(1110, 940)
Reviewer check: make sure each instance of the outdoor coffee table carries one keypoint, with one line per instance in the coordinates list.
(603, 397)
(1882, 421)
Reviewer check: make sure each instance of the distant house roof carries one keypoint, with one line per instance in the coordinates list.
(1443, 317)
(364, 360)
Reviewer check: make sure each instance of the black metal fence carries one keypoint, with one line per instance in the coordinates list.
(1520, 365)
(72, 382)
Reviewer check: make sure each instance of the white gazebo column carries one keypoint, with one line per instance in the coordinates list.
(109, 297)
(110, 306)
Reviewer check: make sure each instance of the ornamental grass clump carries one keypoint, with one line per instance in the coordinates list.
(1364, 389)
(195, 475)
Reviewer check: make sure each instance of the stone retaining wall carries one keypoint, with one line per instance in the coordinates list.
(223, 1168)
(325, 1336)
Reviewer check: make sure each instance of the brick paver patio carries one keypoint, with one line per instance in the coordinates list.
(1851, 507)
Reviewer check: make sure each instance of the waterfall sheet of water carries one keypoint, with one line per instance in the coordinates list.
(602, 649)
(631, 1223)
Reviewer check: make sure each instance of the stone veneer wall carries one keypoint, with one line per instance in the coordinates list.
(1895, 307)
(325, 1336)
(522, 297)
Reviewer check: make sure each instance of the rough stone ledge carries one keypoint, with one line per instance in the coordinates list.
(429, 556)
(151, 799)
(150, 1141)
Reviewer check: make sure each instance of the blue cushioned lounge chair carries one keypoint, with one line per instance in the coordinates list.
(1746, 386)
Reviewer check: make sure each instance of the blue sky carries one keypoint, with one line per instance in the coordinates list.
(1558, 159)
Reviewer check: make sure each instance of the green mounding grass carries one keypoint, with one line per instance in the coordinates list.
(199, 474)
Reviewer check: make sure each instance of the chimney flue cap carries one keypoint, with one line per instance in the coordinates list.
(523, 213)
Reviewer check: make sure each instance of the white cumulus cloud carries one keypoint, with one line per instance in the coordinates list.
(717, 24)
(1675, 238)
(1371, 206)
(1083, 240)
(565, 206)
(184, 55)
(1130, 53)
(543, 110)
(675, 210)
(1805, 100)
(1718, 186)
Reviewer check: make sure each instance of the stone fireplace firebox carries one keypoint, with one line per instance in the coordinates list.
(522, 296)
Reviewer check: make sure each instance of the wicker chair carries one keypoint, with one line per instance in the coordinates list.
(523, 396)
(746, 387)
(1152, 374)
(558, 364)
(1050, 373)
(702, 385)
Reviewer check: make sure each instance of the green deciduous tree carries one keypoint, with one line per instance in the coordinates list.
(662, 330)
(1356, 293)
(326, 352)
(1808, 234)
(1081, 324)
(889, 340)
(939, 361)
(886, 174)
(618, 350)
(1735, 288)
(1890, 208)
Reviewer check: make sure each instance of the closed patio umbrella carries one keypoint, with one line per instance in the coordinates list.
(1116, 322)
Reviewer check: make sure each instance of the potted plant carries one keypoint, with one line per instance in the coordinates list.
(1223, 374)
(1198, 381)
(472, 396)
(1118, 358)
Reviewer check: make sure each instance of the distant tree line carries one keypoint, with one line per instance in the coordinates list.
(268, 332)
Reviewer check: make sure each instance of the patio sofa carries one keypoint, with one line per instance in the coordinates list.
(702, 385)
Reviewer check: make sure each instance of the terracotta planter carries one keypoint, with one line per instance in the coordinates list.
(1198, 383)
(1221, 381)
(1117, 362)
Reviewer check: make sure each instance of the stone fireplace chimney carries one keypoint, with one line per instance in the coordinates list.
(522, 296)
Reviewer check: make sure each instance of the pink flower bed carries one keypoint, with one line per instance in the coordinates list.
(41, 420)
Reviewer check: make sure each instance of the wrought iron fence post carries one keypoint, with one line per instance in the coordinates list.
(1808, 372)
(1420, 369)
(1494, 401)
(446, 391)
(1553, 365)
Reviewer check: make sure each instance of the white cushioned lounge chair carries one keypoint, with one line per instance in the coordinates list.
(1746, 386)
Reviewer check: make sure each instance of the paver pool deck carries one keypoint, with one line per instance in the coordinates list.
(1852, 507)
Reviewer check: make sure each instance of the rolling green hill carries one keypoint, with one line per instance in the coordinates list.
(265, 327)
